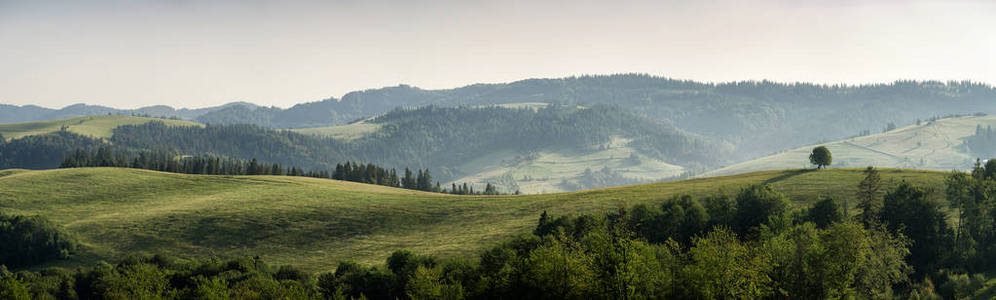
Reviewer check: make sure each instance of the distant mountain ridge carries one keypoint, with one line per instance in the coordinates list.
(31, 113)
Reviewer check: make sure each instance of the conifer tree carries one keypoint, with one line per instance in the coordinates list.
(867, 196)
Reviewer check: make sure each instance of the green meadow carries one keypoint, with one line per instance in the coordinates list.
(315, 223)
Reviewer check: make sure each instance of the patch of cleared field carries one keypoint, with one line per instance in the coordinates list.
(97, 126)
(346, 132)
(543, 171)
(315, 223)
(931, 145)
(530, 105)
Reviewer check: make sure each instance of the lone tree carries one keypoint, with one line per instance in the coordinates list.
(820, 157)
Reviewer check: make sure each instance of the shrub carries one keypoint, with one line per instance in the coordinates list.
(31, 240)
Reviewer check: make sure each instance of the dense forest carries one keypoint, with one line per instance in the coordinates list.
(42, 151)
(897, 244)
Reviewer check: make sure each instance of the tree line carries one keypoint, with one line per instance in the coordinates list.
(168, 161)
(982, 143)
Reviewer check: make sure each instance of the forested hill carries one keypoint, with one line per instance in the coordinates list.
(759, 117)
(548, 144)
(552, 145)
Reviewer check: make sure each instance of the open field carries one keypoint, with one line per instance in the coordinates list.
(346, 132)
(97, 126)
(314, 223)
(931, 145)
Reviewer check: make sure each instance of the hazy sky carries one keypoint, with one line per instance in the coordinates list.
(200, 53)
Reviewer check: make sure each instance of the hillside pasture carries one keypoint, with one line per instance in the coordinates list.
(315, 223)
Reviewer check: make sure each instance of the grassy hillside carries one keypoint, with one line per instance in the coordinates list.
(931, 145)
(347, 132)
(314, 223)
(99, 126)
(545, 170)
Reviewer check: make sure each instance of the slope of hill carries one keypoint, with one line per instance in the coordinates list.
(936, 145)
(346, 132)
(314, 223)
(97, 126)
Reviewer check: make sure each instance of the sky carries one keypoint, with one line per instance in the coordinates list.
(185, 53)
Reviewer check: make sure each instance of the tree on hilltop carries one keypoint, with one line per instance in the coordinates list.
(820, 157)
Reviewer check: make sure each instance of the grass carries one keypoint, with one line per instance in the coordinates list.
(347, 132)
(930, 145)
(97, 126)
(315, 223)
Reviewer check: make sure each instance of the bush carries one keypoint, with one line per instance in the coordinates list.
(31, 240)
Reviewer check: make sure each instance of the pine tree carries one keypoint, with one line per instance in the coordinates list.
(408, 181)
(251, 169)
(867, 196)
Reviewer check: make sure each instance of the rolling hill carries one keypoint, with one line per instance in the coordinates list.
(527, 147)
(758, 117)
(314, 223)
(96, 126)
(936, 145)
